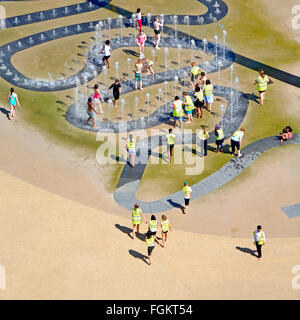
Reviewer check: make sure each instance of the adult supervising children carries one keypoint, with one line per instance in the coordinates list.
(203, 136)
(138, 74)
(106, 51)
(171, 143)
(259, 240)
(262, 85)
(188, 106)
(130, 147)
(137, 216)
(13, 102)
(116, 87)
(236, 141)
(219, 134)
(187, 193)
(177, 111)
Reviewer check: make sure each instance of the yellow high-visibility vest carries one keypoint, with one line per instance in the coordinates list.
(261, 237)
(136, 216)
(195, 70)
(199, 95)
(150, 241)
(178, 111)
(220, 134)
(187, 191)
(153, 225)
(262, 83)
(189, 105)
(208, 90)
(130, 144)
(171, 138)
(202, 135)
(165, 225)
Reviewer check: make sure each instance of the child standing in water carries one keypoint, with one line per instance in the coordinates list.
(157, 26)
(97, 96)
(13, 101)
(90, 111)
(165, 227)
(138, 74)
(140, 40)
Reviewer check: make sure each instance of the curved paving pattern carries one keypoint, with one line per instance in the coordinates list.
(125, 194)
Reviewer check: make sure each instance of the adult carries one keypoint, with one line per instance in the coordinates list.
(106, 50)
(219, 134)
(116, 86)
(13, 102)
(137, 216)
(130, 147)
(259, 240)
(140, 40)
(138, 74)
(236, 141)
(262, 85)
(156, 26)
(97, 96)
(208, 95)
(203, 136)
(187, 193)
(90, 110)
(177, 111)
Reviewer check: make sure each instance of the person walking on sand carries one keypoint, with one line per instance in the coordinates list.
(116, 86)
(199, 103)
(90, 110)
(203, 136)
(150, 241)
(106, 50)
(171, 143)
(153, 226)
(259, 240)
(13, 102)
(165, 227)
(138, 74)
(187, 192)
(138, 16)
(177, 111)
(208, 95)
(130, 147)
(236, 141)
(219, 138)
(137, 216)
(262, 85)
(97, 96)
(188, 106)
(140, 40)
(156, 26)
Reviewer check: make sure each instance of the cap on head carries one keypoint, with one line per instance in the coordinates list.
(117, 80)
(186, 183)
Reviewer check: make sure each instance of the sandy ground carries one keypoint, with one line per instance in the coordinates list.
(56, 248)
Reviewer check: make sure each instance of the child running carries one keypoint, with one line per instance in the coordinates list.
(137, 215)
(138, 74)
(150, 240)
(165, 227)
(106, 51)
(140, 40)
(90, 111)
(138, 16)
(188, 106)
(199, 103)
(13, 101)
(262, 85)
(97, 96)
(157, 25)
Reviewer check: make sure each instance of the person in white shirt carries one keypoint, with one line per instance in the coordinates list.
(259, 239)
(106, 51)
(236, 141)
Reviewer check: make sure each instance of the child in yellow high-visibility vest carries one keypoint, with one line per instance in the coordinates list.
(165, 227)
(150, 241)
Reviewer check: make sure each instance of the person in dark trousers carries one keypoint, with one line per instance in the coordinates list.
(203, 136)
(259, 239)
(219, 138)
(116, 87)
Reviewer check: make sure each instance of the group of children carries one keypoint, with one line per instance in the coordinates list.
(151, 236)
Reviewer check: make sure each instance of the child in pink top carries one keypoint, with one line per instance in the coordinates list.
(97, 96)
(140, 40)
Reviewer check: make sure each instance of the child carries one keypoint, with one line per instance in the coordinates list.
(116, 86)
(171, 143)
(199, 103)
(97, 96)
(195, 70)
(219, 138)
(287, 134)
(262, 85)
(140, 40)
(138, 74)
(202, 79)
(187, 192)
(137, 215)
(90, 111)
(203, 136)
(130, 147)
(165, 227)
(153, 225)
(148, 65)
(13, 101)
(208, 95)
(157, 26)
(188, 106)
(236, 141)
(139, 18)
(177, 111)
(151, 244)
(106, 51)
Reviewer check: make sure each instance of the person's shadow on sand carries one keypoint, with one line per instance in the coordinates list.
(128, 231)
(5, 112)
(138, 255)
(247, 250)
